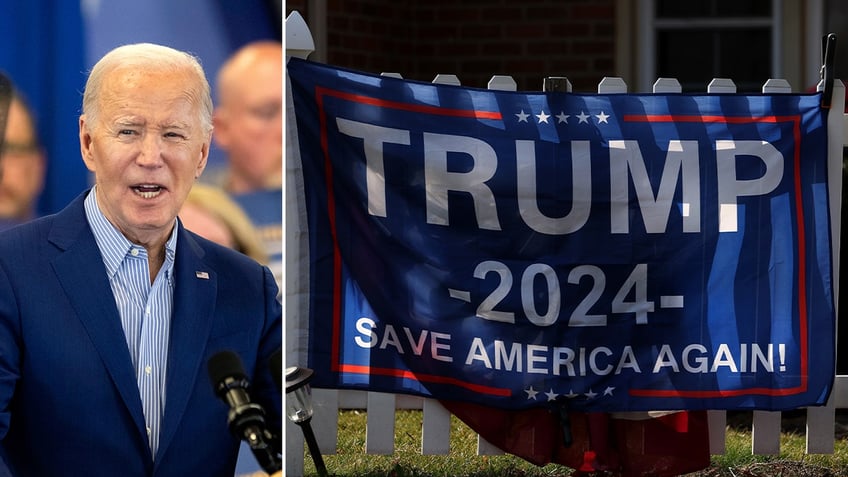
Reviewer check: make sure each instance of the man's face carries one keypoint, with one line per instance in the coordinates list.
(146, 148)
(248, 126)
(22, 166)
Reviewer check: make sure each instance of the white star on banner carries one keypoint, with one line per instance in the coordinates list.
(543, 118)
(551, 395)
(590, 394)
(583, 118)
(531, 393)
(562, 117)
(608, 391)
(522, 116)
(602, 118)
(571, 394)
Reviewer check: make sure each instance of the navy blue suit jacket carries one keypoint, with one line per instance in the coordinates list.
(69, 402)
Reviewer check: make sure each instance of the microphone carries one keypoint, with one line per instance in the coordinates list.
(246, 420)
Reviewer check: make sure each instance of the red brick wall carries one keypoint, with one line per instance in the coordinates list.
(474, 39)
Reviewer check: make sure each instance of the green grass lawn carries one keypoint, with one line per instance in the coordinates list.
(462, 461)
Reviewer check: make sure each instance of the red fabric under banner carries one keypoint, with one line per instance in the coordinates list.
(624, 444)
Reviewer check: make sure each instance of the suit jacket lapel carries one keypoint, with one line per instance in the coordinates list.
(191, 321)
(82, 274)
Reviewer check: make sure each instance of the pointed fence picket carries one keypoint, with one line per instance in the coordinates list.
(381, 407)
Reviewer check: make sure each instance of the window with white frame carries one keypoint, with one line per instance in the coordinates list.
(697, 40)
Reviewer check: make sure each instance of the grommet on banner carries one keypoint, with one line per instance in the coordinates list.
(828, 52)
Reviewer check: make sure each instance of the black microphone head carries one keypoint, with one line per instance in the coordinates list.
(225, 366)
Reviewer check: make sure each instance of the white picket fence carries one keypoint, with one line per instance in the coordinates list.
(435, 432)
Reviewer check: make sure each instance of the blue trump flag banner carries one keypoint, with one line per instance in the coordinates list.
(517, 249)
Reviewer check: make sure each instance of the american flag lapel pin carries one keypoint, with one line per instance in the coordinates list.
(203, 275)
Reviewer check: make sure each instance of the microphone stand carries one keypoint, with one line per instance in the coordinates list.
(266, 448)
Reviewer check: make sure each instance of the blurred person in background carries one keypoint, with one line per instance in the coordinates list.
(209, 212)
(249, 129)
(23, 165)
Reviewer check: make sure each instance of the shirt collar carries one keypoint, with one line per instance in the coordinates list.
(114, 247)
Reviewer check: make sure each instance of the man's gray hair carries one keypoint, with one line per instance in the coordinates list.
(148, 57)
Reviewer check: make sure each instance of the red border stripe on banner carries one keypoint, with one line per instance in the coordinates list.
(335, 357)
(338, 366)
(802, 265)
(431, 378)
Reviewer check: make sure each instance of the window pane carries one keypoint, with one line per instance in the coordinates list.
(743, 8)
(683, 9)
(745, 57)
(713, 8)
(695, 57)
(687, 56)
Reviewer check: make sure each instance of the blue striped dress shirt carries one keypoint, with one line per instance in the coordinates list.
(145, 309)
